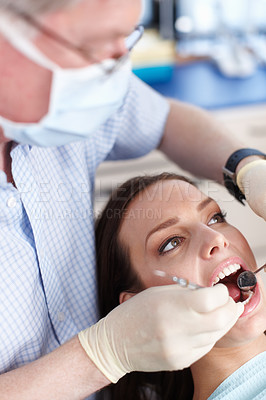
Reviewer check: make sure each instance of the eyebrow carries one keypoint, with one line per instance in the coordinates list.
(204, 204)
(173, 221)
(164, 225)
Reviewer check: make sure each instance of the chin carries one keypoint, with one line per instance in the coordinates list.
(247, 329)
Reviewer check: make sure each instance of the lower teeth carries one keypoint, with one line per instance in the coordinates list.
(250, 294)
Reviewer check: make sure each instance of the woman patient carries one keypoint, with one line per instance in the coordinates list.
(165, 223)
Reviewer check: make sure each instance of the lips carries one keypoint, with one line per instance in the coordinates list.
(227, 273)
(253, 303)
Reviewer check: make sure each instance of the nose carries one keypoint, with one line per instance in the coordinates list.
(211, 242)
(117, 49)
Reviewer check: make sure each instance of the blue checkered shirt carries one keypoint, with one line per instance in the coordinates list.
(47, 273)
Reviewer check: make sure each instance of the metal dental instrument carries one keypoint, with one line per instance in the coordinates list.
(247, 280)
(179, 281)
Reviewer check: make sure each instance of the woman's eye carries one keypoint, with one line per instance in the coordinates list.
(217, 218)
(170, 244)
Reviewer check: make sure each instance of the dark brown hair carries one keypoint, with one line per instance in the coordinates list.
(115, 275)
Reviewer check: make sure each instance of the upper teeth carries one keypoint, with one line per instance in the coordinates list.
(230, 269)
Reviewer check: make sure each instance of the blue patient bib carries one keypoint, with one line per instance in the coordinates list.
(247, 383)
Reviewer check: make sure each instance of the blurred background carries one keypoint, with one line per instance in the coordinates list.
(230, 33)
(210, 53)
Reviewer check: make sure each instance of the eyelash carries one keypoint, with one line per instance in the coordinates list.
(221, 215)
(165, 244)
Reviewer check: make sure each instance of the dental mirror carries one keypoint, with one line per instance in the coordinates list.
(247, 280)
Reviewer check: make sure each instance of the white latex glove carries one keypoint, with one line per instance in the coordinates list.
(161, 328)
(251, 179)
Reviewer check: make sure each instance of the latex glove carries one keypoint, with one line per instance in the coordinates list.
(251, 179)
(161, 328)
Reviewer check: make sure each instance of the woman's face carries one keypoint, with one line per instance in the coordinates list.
(172, 227)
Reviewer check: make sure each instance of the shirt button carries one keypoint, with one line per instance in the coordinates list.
(60, 316)
(11, 202)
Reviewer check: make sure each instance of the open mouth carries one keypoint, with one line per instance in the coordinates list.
(228, 276)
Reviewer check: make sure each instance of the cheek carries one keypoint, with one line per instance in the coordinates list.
(129, 12)
(237, 240)
(142, 265)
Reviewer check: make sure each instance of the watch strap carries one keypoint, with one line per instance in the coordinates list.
(229, 171)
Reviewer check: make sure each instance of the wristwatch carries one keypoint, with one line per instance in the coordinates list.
(230, 169)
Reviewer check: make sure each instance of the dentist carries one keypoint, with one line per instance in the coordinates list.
(68, 101)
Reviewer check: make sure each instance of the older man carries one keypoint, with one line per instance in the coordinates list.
(68, 101)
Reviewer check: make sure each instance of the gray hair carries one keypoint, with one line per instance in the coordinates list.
(33, 7)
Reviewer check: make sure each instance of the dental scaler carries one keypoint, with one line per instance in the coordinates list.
(247, 280)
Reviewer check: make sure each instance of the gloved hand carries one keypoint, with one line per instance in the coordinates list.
(251, 180)
(161, 328)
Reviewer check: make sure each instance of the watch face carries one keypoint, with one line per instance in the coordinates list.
(233, 188)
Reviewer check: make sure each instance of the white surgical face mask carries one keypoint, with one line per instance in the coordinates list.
(81, 99)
